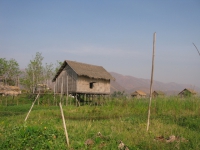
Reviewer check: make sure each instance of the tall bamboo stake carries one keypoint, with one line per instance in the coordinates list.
(196, 48)
(152, 71)
(64, 125)
(31, 107)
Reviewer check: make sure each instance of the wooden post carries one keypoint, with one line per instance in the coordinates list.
(67, 92)
(61, 91)
(76, 99)
(152, 71)
(56, 86)
(54, 90)
(64, 125)
(77, 102)
(31, 107)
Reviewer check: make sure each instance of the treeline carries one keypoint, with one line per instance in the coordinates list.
(36, 73)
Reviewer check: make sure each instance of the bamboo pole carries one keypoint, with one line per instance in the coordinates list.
(64, 124)
(67, 92)
(31, 107)
(196, 48)
(152, 71)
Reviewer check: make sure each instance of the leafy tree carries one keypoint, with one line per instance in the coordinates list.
(10, 71)
(48, 72)
(34, 73)
(3, 66)
(58, 65)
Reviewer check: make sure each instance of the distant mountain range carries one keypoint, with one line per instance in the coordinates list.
(129, 84)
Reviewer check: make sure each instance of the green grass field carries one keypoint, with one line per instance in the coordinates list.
(117, 119)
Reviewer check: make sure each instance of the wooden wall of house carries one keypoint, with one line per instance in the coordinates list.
(100, 86)
(72, 78)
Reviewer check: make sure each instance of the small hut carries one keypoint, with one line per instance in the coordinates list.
(158, 94)
(138, 94)
(78, 79)
(187, 92)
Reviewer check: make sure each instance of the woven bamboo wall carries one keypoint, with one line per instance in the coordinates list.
(100, 86)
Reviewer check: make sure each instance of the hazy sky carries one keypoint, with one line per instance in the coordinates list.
(115, 34)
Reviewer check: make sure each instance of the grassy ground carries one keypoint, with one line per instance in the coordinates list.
(117, 119)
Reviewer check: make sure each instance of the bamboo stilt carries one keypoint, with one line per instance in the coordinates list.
(54, 93)
(67, 92)
(61, 93)
(56, 89)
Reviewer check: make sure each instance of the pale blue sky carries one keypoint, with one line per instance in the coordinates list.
(115, 34)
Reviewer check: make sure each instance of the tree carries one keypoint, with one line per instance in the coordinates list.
(58, 65)
(3, 66)
(13, 72)
(118, 94)
(34, 73)
(9, 70)
(48, 72)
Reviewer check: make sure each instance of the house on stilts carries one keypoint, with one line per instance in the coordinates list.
(82, 80)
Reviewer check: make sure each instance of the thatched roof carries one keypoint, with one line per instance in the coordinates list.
(138, 92)
(82, 69)
(189, 90)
